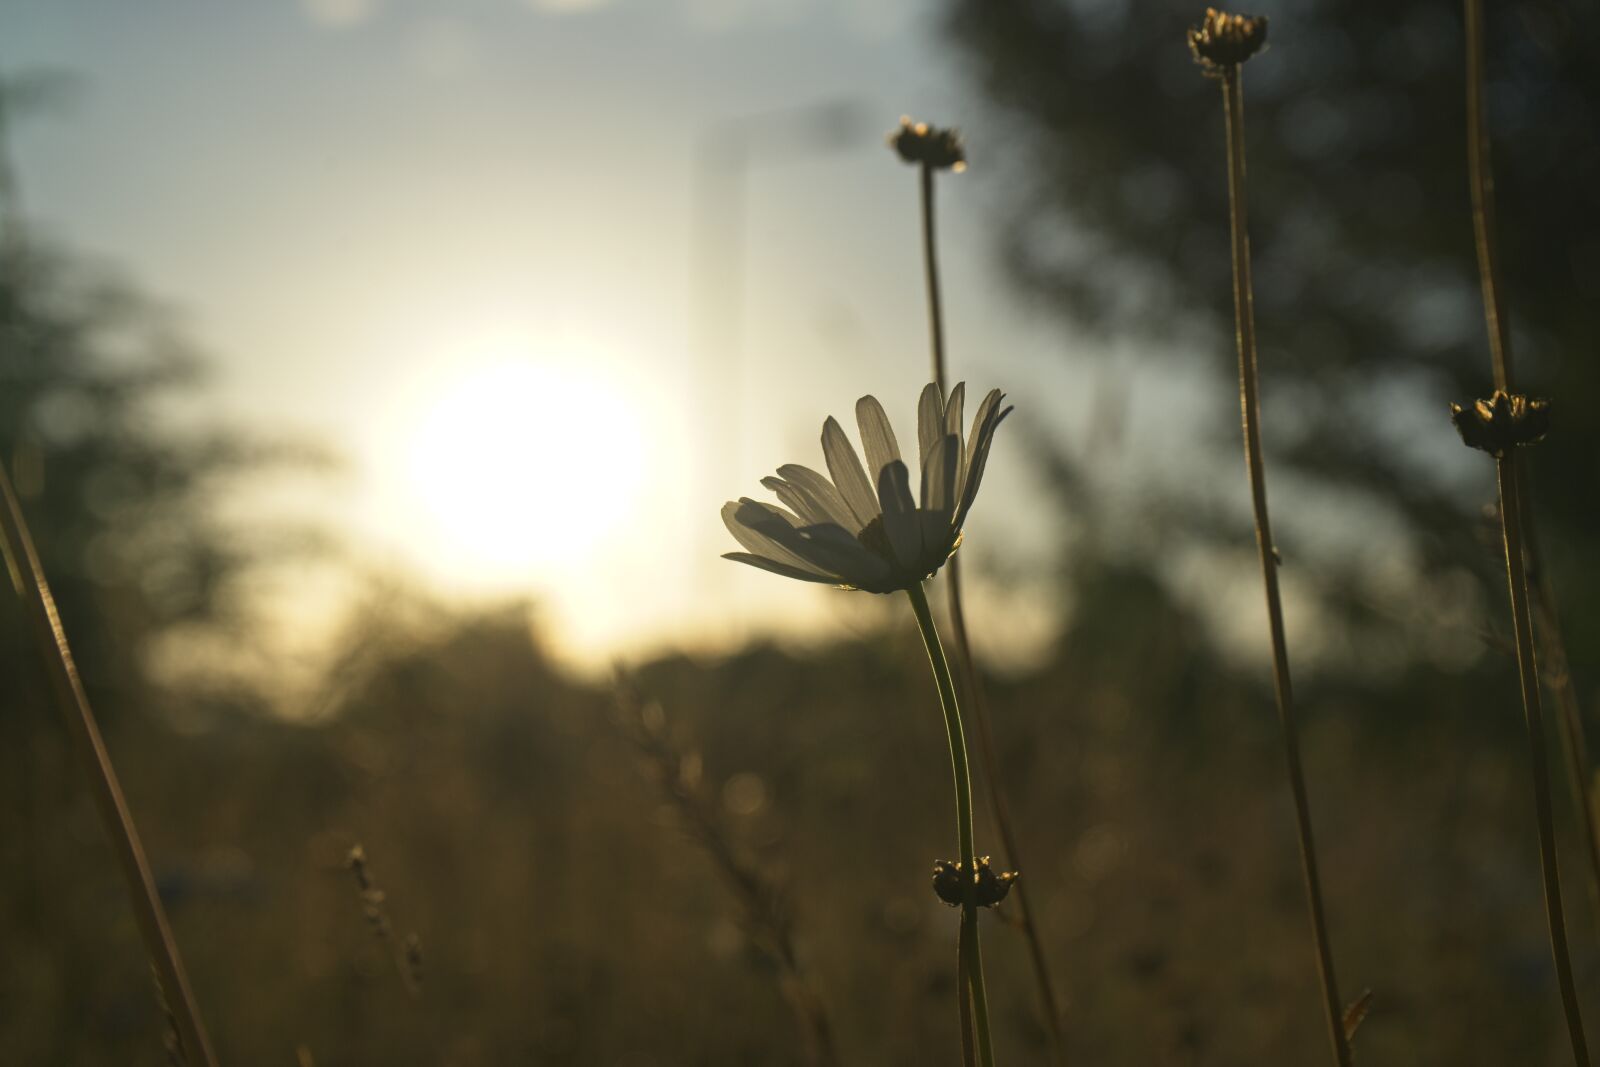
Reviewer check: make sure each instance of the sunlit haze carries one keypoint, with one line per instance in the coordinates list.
(520, 466)
(485, 253)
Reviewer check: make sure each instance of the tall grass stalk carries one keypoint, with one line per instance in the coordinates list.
(39, 604)
(1528, 672)
(1558, 674)
(969, 949)
(1250, 405)
(978, 698)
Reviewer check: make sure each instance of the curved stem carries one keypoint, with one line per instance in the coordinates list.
(1250, 406)
(974, 685)
(1528, 672)
(28, 574)
(963, 782)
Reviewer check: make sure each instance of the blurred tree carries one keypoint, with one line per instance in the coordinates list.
(1366, 286)
(121, 497)
(120, 492)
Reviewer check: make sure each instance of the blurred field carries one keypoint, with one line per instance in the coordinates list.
(565, 918)
(565, 906)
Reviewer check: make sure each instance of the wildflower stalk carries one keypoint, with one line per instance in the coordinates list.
(1244, 314)
(974, 685)
(969, 948)
(28, 576)
(1573, 741)
(1528, 671)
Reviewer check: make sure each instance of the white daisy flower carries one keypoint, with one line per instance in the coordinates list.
(868, 532)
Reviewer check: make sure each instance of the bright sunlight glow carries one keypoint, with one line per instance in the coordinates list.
(520, 466)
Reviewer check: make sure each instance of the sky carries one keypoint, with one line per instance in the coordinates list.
(475, 248)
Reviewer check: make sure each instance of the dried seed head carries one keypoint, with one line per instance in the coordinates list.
(917, 142)
(357, 862)
(987, 887)
(1502, 422)
(1223, 41)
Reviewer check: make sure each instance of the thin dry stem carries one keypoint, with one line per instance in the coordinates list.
(1557, 674)
(406, 953)
(1574, 743)
(1528, 672)
(1250, 407)
(117, 820)
(973, 685)
(1483, 200)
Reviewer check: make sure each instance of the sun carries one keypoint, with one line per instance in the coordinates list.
(520, 466)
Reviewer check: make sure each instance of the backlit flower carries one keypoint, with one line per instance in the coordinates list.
(863, 528)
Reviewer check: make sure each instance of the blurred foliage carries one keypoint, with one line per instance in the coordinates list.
(119, 488)
(1366, 293)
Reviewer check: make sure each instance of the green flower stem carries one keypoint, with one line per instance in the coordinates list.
(980, 997)
(963, 780)
(969, 1046)
(969, 670)
(27, 574)
(1528, 671)
(1255, 462)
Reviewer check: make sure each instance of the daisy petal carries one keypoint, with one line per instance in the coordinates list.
(939, 467)
(826, 548)
(900, 522)
(823, 494)
(952, 409)
(877, 437)
(938, 538)
(986, 409)
(969, 492)
(780, 568)
(930, 418)
(940, 464)
(952, 424)
(796, 501)
(738, 516)
(847, 474)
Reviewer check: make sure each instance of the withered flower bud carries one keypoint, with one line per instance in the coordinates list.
(917, 142)
(1222, 40)
(1502, 422)
(988, 888)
